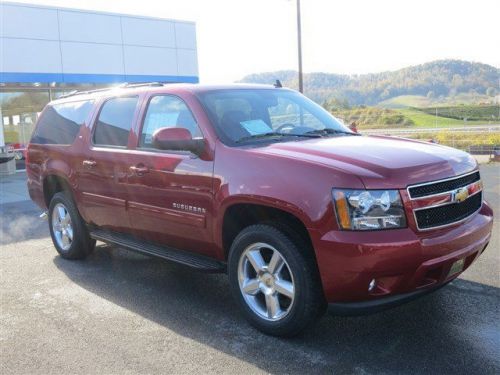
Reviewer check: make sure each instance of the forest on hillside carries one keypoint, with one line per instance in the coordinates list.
(437, 79)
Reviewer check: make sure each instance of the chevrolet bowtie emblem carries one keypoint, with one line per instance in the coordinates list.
(459, 195)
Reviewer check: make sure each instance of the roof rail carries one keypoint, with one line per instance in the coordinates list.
(132, 85)
(76, 92)
(123, 85)
(71, 93)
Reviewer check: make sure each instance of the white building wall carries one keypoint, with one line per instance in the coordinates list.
(45, 44)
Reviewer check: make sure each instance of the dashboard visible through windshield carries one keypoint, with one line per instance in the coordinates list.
(251, 115)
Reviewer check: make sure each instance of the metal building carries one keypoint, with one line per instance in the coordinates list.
(47, 51)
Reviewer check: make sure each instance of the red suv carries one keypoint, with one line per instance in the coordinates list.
(263, 184)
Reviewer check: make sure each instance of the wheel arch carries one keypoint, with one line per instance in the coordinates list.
(54, 183)
(241, 214)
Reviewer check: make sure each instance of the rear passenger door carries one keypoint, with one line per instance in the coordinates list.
(104, 165)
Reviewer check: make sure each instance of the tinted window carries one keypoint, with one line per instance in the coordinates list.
(167, 111)
(115, 121)
(60, 123)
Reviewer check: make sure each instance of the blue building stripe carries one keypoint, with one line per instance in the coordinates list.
(8, 77)
(13, 77)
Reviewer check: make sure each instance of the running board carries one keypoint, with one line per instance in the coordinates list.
(196, 261)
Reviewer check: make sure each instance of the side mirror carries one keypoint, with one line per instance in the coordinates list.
(177, 139)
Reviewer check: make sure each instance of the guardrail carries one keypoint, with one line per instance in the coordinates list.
(470, 128)
(483, 140)
(491, 150)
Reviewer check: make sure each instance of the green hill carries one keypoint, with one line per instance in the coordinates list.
(449, 82)
(466, 112)
(405, 101)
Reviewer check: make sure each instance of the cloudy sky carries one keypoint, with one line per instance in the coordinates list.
(238, 37)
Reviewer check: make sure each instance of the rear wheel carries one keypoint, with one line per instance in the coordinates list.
(67, 229)
(274, 280)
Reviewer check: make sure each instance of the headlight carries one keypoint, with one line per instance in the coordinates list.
(369, 209)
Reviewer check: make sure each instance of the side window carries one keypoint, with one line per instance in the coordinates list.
(115, 121)
(166, 111)
(60, 123)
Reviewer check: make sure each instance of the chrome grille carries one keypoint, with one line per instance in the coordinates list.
(445, 202)
(439, 187)
(448, 214)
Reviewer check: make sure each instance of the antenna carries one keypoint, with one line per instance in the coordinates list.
(278, 84)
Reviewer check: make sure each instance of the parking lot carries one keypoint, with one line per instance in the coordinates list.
(118, 312)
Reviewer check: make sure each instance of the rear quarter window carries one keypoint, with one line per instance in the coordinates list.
(60, 123)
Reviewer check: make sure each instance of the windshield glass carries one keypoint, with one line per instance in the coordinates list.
(247, 115)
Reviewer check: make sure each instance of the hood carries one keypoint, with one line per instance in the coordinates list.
(380, 162)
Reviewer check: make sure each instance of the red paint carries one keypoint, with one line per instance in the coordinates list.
(171, 134)
(141, 192)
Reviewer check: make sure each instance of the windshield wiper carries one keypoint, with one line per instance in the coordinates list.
(329, 131)
(276, 134)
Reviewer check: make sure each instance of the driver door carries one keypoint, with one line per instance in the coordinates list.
(170, 192)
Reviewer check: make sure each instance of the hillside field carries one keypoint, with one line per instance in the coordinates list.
(420, 101)
(422, 119)
(378, 118)
(469, 112)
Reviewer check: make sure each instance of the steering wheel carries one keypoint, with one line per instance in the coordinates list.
(288, 125)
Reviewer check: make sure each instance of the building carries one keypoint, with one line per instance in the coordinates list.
(47, 51)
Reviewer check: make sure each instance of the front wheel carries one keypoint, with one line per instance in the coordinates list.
(274, 280)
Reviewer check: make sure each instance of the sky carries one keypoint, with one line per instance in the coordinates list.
(239, 37)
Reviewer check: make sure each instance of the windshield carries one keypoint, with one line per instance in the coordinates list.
(249, 115)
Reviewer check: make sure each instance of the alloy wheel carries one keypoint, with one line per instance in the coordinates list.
(62, 226)
(266, 281)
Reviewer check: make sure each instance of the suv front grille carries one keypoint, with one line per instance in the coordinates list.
(442, 186)
(449, 213)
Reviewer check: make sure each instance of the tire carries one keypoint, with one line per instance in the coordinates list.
(68, 231)
(265, 296)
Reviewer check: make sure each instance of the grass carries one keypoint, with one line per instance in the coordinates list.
(471, 112)
(425, 120)
(411, 118)
(404, 101)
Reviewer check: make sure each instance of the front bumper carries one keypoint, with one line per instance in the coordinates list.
(404, 263)
(380, 304)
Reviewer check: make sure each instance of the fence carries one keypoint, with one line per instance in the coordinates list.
(481, 140)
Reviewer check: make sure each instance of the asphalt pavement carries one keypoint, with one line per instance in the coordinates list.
(122, 313)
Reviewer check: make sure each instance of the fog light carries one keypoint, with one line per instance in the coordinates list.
(372, 285)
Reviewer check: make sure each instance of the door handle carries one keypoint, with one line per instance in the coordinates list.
(139, 170)
(89, 163)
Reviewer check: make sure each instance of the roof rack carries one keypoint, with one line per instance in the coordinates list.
(123, 85)
(132, 85)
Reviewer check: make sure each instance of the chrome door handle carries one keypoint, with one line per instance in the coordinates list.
(89, 163)
(139, 170)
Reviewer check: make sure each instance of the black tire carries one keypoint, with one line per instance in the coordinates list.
(81, 245)
(308, 302)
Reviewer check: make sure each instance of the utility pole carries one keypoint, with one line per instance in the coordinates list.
(299, 45)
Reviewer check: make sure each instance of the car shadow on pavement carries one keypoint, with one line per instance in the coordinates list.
(454, 330)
